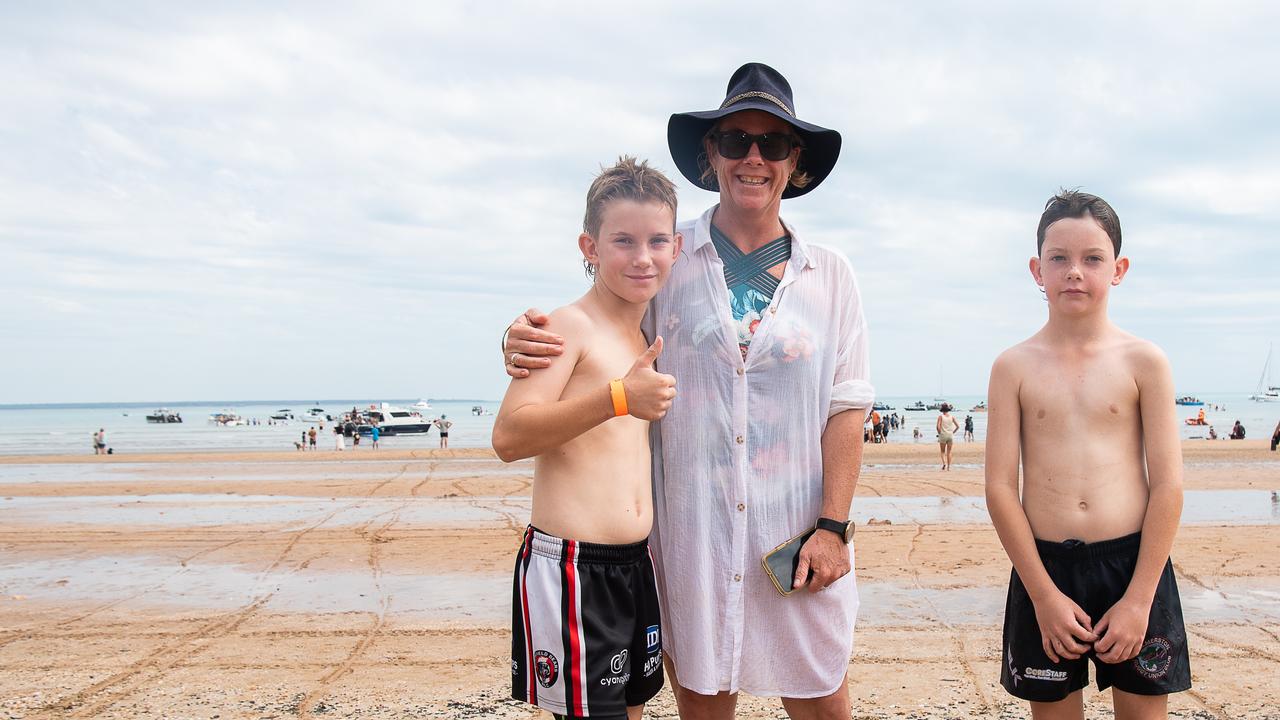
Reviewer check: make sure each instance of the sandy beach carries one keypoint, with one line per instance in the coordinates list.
(376, 585)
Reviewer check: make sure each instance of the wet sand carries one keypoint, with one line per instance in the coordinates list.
(375, 585)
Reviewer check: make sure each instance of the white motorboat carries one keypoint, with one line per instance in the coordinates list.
(282, 414)
(315, 415)
(392, 420)
(226, 417)
(421, 405)
(1267, 390)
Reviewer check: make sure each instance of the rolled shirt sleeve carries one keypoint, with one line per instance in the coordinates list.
(852, 389)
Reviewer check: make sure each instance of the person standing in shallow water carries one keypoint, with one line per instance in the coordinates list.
(745, 459)
(443, 424)
(946, 426)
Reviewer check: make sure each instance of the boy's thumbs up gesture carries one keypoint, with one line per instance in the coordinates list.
(649, 392)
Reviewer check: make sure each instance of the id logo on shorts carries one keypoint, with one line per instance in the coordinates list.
(1154, 658)
(545, 668)
(652, 638)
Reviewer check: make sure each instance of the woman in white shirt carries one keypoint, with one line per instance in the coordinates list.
(765, 335)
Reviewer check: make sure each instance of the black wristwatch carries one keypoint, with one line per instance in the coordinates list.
(843, 529)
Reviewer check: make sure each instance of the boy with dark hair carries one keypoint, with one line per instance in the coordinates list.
(1089, 410)
(585, 636)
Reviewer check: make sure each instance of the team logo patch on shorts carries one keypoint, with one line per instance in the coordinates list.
(617, 662)
(652, 664)
(1154, 658)
(545, 668)
(652, 638)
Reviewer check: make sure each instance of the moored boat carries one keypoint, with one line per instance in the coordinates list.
(315, 415)
(394, 421)
(1266, 391)
(1189, 400)
(226, 417)
(164, 415)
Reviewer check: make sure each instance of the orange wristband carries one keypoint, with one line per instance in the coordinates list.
(619, 398)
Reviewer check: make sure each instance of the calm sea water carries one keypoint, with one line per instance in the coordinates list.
(68, 429)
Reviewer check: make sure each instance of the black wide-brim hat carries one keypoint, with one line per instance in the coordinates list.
(754, 86)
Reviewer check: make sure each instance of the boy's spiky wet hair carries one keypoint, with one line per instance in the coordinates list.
(627, 179)
(1075, 204)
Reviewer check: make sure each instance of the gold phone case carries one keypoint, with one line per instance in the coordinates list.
(783, 560)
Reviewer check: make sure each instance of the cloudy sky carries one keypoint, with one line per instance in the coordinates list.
(254, 200)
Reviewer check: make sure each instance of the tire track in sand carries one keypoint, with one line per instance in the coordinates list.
(170, 655)
(957, 638)
(375, 540)
(36, 630)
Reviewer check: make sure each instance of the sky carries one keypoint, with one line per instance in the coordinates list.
(309, 200)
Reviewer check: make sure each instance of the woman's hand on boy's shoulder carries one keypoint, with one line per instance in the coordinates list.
(529, 344)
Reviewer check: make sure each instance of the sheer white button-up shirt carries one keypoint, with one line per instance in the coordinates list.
(738, 469)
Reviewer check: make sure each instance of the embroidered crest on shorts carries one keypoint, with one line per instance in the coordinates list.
(1154, 658)
(545, 668)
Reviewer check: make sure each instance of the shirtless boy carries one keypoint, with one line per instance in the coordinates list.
(585, 635)
(1089, 409)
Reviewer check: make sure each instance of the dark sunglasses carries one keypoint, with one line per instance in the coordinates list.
(735, 144)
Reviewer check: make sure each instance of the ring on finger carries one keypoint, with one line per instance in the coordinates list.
(512, 360)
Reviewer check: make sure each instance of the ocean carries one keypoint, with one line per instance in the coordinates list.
(67, 428)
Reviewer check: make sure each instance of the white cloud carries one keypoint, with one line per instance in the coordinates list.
(301, 180)
(1241, 191)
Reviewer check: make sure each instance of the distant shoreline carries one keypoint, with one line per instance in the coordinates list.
(891, 452)
(198, 403)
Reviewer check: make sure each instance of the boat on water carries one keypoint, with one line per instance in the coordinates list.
(315, 415)
(937, 404)
(282, 414)
(227, 418)
(163, 415)
(881, 407)
(980, 407)
(917, 406)
(1189, 400)
(392, 420)
(1267, 390)
(423, 405)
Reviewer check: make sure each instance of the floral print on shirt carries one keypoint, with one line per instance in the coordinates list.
(748, 306)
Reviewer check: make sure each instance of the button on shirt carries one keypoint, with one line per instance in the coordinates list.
(738, 468)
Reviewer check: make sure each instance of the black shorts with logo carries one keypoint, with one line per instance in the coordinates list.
(585, 630)
(1095, 576)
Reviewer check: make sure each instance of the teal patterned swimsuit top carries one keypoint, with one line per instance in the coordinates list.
(747, 278)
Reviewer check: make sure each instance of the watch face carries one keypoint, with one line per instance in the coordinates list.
(848, 533)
